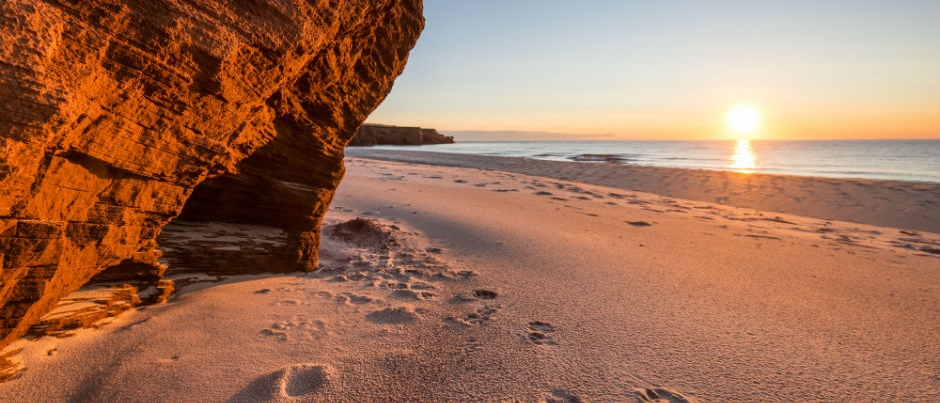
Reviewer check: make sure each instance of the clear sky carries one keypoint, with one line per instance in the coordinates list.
(653, 69)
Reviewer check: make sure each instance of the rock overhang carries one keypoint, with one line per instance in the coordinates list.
(118, 116)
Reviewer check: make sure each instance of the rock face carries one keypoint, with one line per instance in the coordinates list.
(117, 116)
(370, 135)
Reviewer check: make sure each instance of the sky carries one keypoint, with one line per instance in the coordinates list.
(653, 69)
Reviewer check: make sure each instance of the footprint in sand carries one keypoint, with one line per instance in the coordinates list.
(393, 316)
(563, 396)
(354, 299)
(286, 302)
(480, 317)
(409, 295)
(287, 383)
(305, 327)
(540, 333)
(484, 294)
(660, 395)
(417, 285)
(281, 336)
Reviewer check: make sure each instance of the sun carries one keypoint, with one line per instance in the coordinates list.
(743, 119)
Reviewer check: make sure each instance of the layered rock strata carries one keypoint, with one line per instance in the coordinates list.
(371, 135)
(117, 116)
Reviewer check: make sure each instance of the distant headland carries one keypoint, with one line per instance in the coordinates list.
(375, 134)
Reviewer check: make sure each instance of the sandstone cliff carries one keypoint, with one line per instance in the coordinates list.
(370, 135)
(117, 116)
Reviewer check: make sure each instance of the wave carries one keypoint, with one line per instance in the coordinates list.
(611, 158)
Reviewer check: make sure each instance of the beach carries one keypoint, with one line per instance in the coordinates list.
(486, 279)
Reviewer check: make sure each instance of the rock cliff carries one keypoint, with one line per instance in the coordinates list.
(116, 116)
(370, 135)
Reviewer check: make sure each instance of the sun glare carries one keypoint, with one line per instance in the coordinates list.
(744, 159)
(743, 119)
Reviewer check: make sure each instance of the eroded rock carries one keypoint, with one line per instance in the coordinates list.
(86, 308)
(117, 116)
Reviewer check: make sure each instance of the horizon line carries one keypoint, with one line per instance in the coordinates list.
(533, 135)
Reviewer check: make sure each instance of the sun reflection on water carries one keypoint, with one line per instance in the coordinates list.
(744, 159)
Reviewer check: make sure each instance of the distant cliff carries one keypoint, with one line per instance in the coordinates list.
(117, 116)
(371, 135)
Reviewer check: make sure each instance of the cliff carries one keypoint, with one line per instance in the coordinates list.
(370, 135)
(116, 116)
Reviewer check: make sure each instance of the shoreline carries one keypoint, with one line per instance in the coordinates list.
(898, 160)
(453, 284)
(886, 203)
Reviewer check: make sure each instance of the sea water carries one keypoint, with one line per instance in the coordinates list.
(906, 160)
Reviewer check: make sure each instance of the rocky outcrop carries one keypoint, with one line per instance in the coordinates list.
(116, 116)
(371, 135)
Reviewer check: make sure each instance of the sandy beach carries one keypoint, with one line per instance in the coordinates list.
(512, 280)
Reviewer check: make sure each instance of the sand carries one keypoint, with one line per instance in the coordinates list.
(895, 204)
(464, 284)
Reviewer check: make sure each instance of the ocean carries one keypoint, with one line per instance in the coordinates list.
(905, 160)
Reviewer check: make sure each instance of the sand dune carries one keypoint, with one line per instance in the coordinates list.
(462, 284)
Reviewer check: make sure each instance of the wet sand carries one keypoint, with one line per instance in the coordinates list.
(488, 285)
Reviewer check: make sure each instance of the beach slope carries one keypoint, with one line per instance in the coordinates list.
(462, 284)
